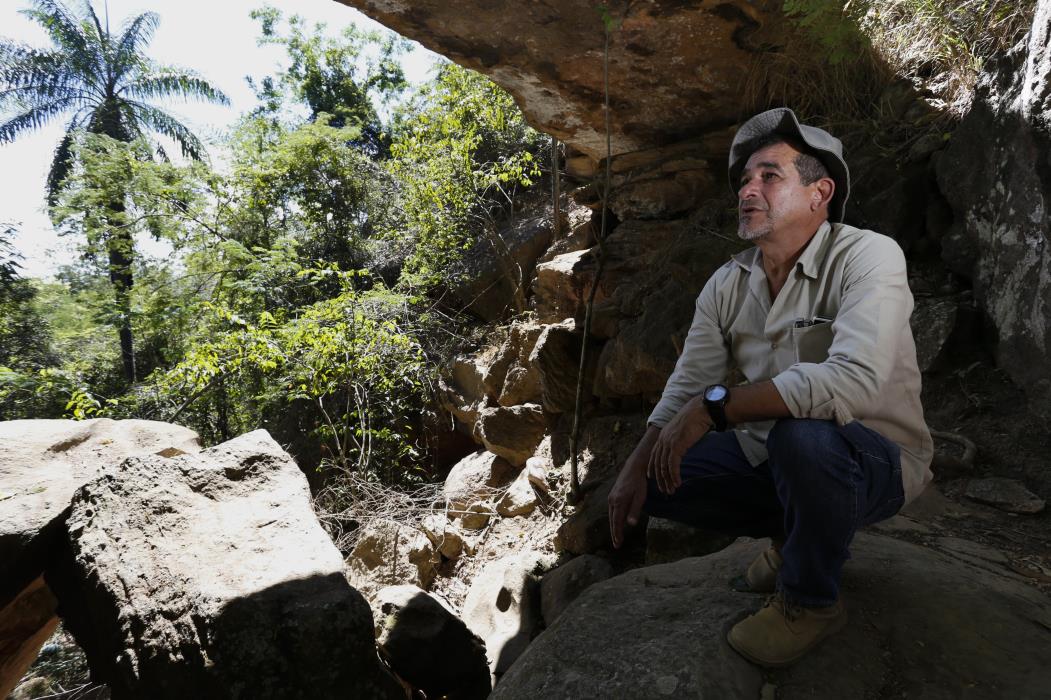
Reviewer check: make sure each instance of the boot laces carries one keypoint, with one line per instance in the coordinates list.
(790, 611)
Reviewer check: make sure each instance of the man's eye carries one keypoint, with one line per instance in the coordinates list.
(767, 177)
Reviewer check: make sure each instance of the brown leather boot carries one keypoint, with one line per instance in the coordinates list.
(781, 633)
(761, 576)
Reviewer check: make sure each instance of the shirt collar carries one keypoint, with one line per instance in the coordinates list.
(810, 260)
(814, 254)
(746, 258)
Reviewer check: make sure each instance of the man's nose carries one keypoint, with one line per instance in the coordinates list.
(748, 190)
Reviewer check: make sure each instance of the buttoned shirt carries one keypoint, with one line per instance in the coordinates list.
(836, 342)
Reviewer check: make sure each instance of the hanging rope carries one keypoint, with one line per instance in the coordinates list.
(574, 467)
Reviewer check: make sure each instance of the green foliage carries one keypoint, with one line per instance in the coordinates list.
(832, 23)
(460, 153)
(25, 338)
(282, 306)
(103, 80)
(351, 364)
(335, 76)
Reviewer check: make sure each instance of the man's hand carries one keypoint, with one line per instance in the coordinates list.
(629, 492)
(687, 427)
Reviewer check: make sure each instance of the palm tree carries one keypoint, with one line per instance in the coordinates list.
(102, 83)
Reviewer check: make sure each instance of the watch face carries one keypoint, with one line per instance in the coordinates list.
(716, 392)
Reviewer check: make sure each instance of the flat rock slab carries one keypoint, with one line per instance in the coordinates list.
(44, 461)
(1006, 494)
(923, 624)
(208, 576)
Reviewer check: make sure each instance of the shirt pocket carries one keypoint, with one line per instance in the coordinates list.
(811, 343)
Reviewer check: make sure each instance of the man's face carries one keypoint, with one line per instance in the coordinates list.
(771, 197)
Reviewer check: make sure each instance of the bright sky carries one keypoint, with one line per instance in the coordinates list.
(216, 38)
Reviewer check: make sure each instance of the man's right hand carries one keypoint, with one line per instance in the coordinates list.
(629, 492)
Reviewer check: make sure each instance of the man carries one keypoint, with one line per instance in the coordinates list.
(827, 435)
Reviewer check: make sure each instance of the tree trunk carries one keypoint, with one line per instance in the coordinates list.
(120, 247)
(119, 243)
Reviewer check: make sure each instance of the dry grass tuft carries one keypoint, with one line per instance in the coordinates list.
(943, 45)
(351, 502)
(836, 59)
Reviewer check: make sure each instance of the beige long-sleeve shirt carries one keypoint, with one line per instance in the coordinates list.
(856, 358)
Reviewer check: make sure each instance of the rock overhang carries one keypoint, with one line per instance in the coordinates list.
(677, 69)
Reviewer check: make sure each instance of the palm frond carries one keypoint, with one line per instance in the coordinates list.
(32, 118)
(168, 81)
(165, 124)
(135, 35)
(64, 28)
(61, 164)
(31, 75)
(83, 53)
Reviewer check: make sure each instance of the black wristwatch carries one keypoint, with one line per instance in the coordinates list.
(715, 399)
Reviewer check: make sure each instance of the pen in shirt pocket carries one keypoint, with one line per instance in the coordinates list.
(816, 320)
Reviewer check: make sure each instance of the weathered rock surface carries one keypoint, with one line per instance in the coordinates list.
(715, 46)
(463, 391)
(512, 379)
(932, 321)
(1010, 495)
(556, 357)
(653, 272)
(994, 174)
(429, 647)
(390, 553)
(490, 278)
(905, 636)
(519, 499)
(668, 541)
(558, 290)
(444, 536)
(587, 529)
(562, 586)
(503, 607)
(209, 576)
(472, 485)
(513, 432)
(42, 463)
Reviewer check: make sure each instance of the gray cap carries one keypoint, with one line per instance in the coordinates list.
(825, 146)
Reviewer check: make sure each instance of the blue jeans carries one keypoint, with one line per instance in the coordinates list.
(820, 483)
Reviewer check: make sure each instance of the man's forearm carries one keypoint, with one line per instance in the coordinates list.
(755, 402)
(640, 457)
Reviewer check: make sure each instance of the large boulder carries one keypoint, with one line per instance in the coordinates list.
(208, 576)
(995, 175)
(922, 624)
(42, 463)
(463, 389)
(511, 379)
(562, 586)
(389, 553)
(473, 484)
(556, 357)
(513, 432)
(549, 56)
(429, 647)
(503, 606)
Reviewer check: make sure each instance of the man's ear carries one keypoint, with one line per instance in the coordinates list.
(822, 194)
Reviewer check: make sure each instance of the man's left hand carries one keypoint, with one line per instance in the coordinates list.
(687, 427)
